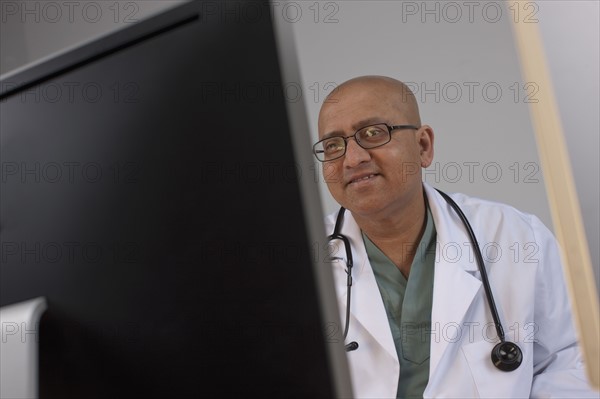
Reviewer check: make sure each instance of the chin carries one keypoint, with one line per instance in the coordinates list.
(364, 207)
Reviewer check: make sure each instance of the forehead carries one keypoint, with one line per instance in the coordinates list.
(348, 107)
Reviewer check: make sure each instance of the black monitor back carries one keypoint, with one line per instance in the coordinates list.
(150, 192)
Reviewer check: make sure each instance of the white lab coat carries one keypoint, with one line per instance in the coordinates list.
(526, 277)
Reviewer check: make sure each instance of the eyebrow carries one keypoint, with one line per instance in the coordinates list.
(356, 126)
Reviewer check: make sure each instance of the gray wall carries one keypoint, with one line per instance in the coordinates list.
(571, 36)
(485, 144)
(459, 56)
(32, 30)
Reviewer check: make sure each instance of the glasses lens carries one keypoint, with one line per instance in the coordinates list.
(331, 148)
(373, 136)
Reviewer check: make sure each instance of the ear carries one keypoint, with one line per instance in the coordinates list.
(425, 139)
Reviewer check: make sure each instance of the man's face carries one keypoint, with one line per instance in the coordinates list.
(382, 180)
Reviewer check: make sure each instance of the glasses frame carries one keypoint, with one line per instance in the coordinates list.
(346, 138)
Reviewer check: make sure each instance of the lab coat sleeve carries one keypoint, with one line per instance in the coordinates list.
(559, 371)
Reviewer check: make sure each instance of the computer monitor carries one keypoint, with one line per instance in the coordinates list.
(151, 193)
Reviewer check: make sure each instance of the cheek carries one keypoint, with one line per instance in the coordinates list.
(404, 158)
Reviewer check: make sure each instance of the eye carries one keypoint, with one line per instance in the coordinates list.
(333, 145)
(373, 132)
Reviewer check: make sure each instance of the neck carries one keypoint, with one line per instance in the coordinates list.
(397, 234)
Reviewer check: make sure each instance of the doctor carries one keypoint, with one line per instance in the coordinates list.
(418, 322)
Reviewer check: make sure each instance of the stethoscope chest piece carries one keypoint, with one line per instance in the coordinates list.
(507, 356)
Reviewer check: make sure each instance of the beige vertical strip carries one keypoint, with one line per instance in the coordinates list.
(562, 196)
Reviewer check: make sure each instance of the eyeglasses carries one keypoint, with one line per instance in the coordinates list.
(367, 137)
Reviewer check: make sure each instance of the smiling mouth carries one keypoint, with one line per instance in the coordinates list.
(369, 177)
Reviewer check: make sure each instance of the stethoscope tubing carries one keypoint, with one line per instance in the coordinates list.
(484, 277)
(506, 356)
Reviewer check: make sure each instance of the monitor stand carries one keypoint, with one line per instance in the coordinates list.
(19, 348)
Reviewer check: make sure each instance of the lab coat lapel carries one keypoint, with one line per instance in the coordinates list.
(366, 307)
(455, 285)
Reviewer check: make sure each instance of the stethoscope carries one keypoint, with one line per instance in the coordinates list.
(506, 355)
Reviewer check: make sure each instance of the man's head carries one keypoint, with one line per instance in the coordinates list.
(376, 181)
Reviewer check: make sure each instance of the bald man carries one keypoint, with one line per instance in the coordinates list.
(415, 315)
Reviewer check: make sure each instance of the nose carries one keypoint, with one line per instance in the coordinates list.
(355, 154)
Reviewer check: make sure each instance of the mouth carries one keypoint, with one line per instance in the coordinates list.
(363, 179)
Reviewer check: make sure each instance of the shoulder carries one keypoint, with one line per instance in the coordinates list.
(494, 212)
(496, 219)
(479, 205)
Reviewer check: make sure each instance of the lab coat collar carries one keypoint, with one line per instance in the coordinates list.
(365, 309)
(453, 242)
(456, 282)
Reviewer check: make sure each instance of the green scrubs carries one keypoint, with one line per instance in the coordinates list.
(408, 306)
